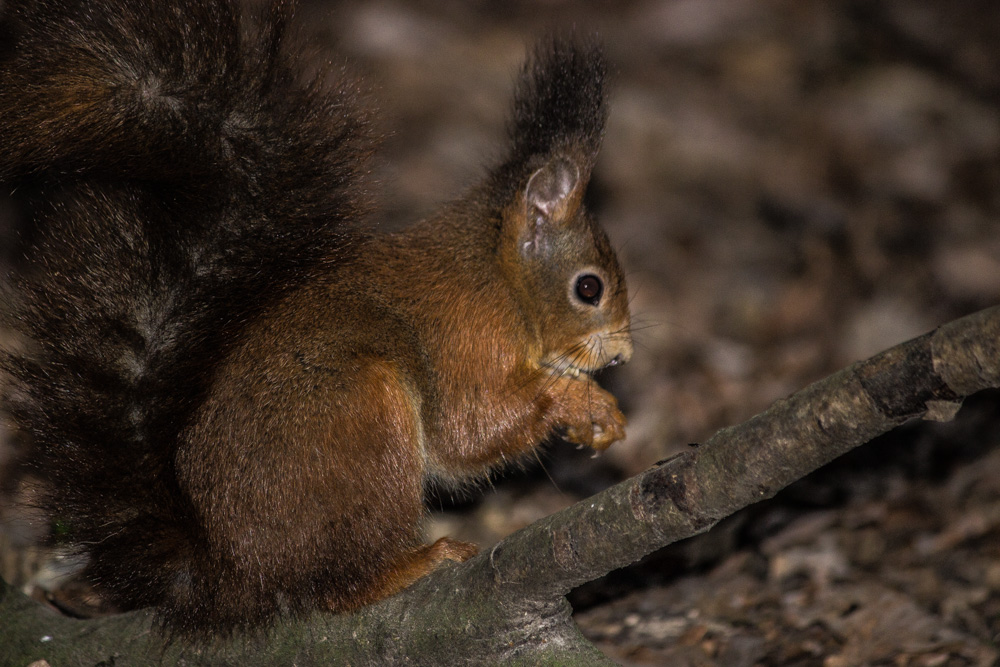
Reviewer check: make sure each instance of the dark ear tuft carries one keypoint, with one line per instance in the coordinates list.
(560, 99)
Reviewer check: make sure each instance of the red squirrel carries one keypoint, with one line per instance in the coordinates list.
(234, 387)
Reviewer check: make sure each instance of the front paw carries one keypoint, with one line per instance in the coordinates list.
(593, 419)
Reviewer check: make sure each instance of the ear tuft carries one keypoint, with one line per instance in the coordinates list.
(560, 99)
(557, 122)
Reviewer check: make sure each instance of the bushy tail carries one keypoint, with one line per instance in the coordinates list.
(176, 169)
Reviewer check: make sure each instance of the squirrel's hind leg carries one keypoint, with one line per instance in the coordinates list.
(390, 490)
(418, 563)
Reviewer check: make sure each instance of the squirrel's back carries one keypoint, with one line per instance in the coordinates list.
(176, 169)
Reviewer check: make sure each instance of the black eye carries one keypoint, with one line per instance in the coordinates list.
(589, 288)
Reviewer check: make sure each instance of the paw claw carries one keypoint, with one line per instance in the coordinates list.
(594, 419)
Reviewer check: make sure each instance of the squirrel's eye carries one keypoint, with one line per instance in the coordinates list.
(589, 288)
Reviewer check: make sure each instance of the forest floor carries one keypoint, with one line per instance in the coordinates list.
(792, 185)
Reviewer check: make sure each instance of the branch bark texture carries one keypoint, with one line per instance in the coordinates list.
(506, 606)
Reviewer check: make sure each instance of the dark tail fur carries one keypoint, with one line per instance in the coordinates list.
(177, 169)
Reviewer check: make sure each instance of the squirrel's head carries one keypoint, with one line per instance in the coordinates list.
(570, 286)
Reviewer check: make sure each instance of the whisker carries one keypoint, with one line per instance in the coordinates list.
(644, 327)
(537, 454)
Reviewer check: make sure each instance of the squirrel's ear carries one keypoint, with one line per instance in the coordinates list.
(550, 188)
(551, 199)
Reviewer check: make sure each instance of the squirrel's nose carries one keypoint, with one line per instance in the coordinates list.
(620, 347)
(626, 351)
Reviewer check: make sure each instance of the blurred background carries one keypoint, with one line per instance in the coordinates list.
(792, 185)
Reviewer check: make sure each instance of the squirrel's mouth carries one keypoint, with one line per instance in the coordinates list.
(565, 367)
(593, 353)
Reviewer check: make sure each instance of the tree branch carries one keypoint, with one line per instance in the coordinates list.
(506, 605)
